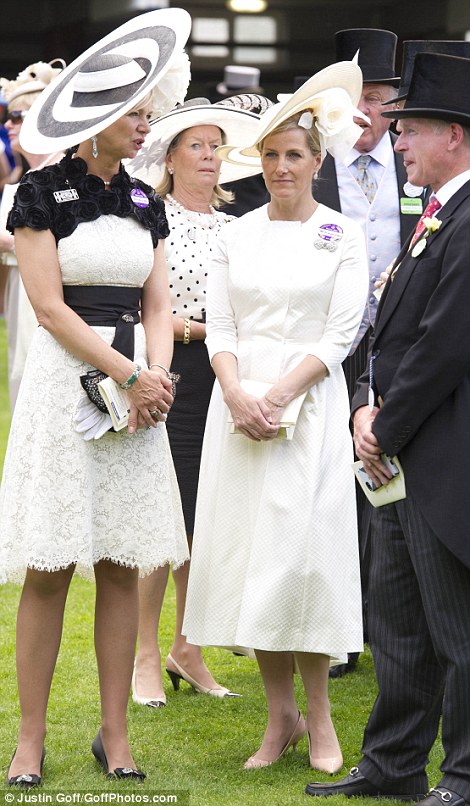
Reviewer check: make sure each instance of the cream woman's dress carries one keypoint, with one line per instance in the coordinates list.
(275, 561)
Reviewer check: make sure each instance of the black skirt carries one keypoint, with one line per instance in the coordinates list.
(187, 419)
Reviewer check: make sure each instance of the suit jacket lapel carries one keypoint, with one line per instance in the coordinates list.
(329, 185)
(407, 220)
(394, 290)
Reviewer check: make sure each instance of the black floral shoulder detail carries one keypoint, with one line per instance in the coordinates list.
(38, 202)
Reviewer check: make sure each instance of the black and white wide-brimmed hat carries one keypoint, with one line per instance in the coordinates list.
(106, 81)
(233, 116)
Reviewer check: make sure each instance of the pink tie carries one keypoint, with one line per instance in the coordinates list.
(433, 206)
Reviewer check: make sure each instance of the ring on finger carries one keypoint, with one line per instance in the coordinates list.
(154, 414)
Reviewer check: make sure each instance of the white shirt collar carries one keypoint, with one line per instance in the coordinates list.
(452, 186)
(381, 152)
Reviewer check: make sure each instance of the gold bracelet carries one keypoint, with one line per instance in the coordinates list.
(272, 403)
(187, 331)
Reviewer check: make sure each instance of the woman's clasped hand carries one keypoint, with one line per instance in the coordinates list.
(150, 400)
(254, 417)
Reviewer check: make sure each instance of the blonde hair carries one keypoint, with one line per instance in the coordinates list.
(219, 195)
(312, 136)
(148, 99)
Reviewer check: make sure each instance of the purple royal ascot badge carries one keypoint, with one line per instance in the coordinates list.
(328, 237)
(139, 198)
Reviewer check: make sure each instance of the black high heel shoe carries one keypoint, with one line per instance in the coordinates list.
(27, 780)
(120, 772)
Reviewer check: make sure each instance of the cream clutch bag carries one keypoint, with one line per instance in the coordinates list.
(290, 414)
(395, 490)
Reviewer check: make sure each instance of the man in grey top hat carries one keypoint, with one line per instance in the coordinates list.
(371, 187)
(414, 402)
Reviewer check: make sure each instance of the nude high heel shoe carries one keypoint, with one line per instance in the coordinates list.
(254, 763)
(178, 673)
(330, 764)
(152, 702)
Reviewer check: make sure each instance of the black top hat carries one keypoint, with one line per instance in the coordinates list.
(451, 47)
(439, 89)
(376, 53)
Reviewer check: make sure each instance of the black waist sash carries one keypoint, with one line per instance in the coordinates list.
(108, 306)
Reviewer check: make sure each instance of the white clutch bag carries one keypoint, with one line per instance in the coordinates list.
(395, 490)
(289, 416)
(117, 402)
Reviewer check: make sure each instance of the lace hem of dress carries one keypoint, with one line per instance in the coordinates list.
(16, 575)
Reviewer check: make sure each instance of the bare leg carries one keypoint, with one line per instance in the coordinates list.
(188, 656)
(325, 752)
(148, 677)
(38, 635)
(284, 725)
(116, 621)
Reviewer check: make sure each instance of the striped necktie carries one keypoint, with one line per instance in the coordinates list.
(364, 178)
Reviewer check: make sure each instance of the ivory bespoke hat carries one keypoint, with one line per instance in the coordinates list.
(331, 96)
(31, 80)
(106, 81)
(232, 115)
(451, 47)
(376, 56)
(439, 89)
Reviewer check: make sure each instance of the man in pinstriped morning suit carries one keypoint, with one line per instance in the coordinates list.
(386, 219)
(419, 594)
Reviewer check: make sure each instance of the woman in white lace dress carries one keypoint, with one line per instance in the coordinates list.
(75, 494)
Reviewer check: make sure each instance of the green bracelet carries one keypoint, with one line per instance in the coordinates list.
(127, 384)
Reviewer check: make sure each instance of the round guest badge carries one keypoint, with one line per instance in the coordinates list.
(328, 237)
(412, 191)
(139, 198)
(419, 247)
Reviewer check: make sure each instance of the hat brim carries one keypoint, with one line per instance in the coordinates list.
(393, 82)
(51, 123)
(236, 124)
(343, 75)
(402, 93)
(428, 112)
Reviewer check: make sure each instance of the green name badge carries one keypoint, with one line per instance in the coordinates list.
(411, 206)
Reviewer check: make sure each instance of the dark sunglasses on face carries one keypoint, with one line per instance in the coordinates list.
(15, 116)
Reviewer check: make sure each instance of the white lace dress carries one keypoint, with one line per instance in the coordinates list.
(64, 500)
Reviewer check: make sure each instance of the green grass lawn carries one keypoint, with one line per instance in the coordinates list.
(196, 746)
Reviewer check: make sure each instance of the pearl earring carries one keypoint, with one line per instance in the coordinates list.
(94, 146)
